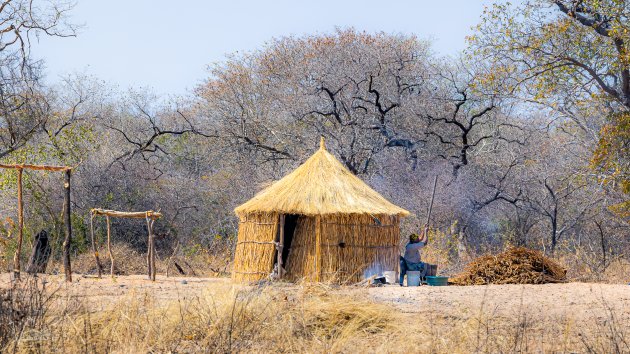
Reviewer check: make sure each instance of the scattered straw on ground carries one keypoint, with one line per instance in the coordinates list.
(517, 265)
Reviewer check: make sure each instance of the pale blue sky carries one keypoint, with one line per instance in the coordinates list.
(167, 45)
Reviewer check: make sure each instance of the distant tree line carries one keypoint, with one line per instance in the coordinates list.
(527, 129)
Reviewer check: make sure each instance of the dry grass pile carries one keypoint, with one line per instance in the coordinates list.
(516, 265)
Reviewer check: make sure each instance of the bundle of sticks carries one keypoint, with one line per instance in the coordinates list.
(517, 265)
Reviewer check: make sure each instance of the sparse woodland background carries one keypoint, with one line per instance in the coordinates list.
(528, 131)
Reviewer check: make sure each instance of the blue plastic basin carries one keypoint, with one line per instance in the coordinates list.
(436, 281)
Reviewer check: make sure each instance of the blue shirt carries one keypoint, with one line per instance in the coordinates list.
(412, 252)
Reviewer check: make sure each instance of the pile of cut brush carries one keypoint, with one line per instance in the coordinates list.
(517, 265)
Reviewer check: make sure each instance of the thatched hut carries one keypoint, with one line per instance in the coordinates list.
(319, 223)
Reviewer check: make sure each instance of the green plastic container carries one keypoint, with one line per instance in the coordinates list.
(436, 281)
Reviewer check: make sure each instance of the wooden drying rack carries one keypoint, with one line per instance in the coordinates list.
(66, 207)
(150, 217)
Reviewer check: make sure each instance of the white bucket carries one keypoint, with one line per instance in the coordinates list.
(390, 276)
(413, 278)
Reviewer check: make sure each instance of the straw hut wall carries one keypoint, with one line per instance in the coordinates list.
(331, 225)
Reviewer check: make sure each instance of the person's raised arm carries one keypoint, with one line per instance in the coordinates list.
(424, 237)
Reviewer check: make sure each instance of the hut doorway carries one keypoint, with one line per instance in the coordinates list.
(290, 222)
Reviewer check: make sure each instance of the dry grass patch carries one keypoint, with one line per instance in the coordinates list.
(288, 318)
(223, 319)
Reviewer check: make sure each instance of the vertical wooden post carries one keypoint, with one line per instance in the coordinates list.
(151, 249)
(280, 246)
(318, 247)
(18, 250)
(98, 261)
(153, 269)
(109, 246)
(68, 239)
(149, 246)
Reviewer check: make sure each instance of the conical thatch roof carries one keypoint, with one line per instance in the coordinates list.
(322, 185)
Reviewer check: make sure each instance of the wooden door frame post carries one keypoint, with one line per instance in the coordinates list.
(318, 247)
(281, 245)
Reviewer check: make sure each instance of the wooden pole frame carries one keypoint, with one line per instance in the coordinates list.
(281, 245)
(150, 217)
(68, 239)
(109, 246)
(151, 253)
(68, 229)
(318, 247)
(18, 250)
(99, 266)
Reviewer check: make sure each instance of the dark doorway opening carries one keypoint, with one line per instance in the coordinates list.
(290, 222)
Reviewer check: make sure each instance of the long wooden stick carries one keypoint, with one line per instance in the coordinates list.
(18, 250)
(128, 214)
(35, 167)
(109, 247)
(432, 198)
(98, 261)
(68, 239)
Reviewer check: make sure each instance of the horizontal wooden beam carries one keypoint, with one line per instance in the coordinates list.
(128, 214)
(36, 167)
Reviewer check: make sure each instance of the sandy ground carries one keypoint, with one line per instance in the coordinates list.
(105, 291)
(579, 302)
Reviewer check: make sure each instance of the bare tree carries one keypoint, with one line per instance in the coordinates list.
(22, 104)
(279, 100)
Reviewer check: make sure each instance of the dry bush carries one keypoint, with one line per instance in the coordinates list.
(126, 259)
(444, 250)
(214, 258)
(584, 265)
(23, 310)
(195, 261)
